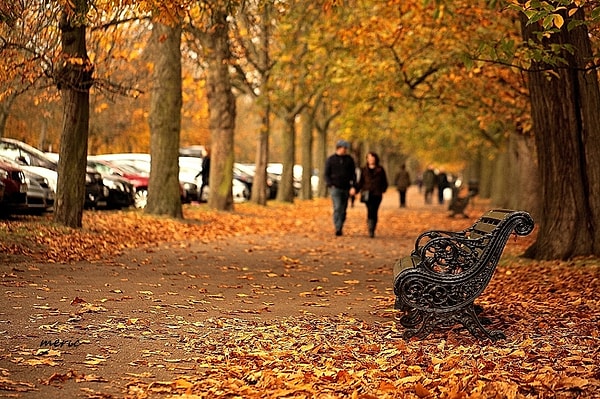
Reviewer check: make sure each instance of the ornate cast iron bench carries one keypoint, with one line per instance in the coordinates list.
(438, 283)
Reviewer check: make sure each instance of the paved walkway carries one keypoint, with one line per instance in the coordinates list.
(116, 317)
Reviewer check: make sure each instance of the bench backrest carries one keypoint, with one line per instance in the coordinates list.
(487, 223)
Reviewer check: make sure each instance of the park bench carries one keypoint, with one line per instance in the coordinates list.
(458, 204)
(438, 283)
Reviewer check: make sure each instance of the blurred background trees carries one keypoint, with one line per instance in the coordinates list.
(444, 82)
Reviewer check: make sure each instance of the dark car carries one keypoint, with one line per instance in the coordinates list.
(15, 188)
(121, 192)
(137, 178)
(96, 193)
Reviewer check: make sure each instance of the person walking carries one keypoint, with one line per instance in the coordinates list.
(402, 182)
(372, 184)
(443, 184)
(204, 173)
(429, 182)
(340, 177)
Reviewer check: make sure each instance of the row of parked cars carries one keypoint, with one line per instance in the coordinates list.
(28, 180)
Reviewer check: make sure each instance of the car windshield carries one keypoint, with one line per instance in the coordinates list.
(26, 154)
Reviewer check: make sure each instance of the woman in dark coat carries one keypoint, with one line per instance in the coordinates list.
(372, 184)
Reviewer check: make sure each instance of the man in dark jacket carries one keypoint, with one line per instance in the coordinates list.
(340, 176)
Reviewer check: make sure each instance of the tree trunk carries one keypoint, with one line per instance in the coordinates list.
(565, 107)
(500, 185)
(320, 160)
(164, 192)
(74, 80)
(221, 106)
(259, 185)
(286, 185)
(306, 139)
(523, 174)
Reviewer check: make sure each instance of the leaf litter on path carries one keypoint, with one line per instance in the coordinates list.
(196, 331)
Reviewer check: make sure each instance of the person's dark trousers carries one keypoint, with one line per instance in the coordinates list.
(339, 197)
(428, 195)
(402, 194)
(372, 211)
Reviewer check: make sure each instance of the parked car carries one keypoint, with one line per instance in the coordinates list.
(96, 193)
(121, 193)
(26, 155)
(40, 195)
(137, 178)
(15, 188)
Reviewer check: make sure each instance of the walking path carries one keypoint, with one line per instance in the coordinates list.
(105, 324)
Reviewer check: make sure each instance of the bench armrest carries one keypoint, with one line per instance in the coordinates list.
(432, 234)
(451, 255)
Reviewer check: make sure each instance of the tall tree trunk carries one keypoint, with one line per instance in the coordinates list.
(221, 106)
(321, 157)
(306, 143)
(286, 186)
(259, 194)
(259, 186)
(523, 172)
(565, 107)
(74, 80)
(164, 192)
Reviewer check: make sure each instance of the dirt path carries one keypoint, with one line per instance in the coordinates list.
(89, 329)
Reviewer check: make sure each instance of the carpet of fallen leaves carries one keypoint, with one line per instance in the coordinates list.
(551, 308)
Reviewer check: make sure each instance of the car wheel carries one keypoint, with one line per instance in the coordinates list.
(141, 198)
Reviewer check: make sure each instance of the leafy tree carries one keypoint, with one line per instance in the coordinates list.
(565, 104)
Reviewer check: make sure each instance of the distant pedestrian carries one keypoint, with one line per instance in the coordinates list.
(442, 184)
(340, 177)
(429, 182)
(402, 182)
(372, 184)
(204, 173)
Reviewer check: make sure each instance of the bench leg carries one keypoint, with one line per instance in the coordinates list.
(412, 318)
(471, 321)
(428, 324)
